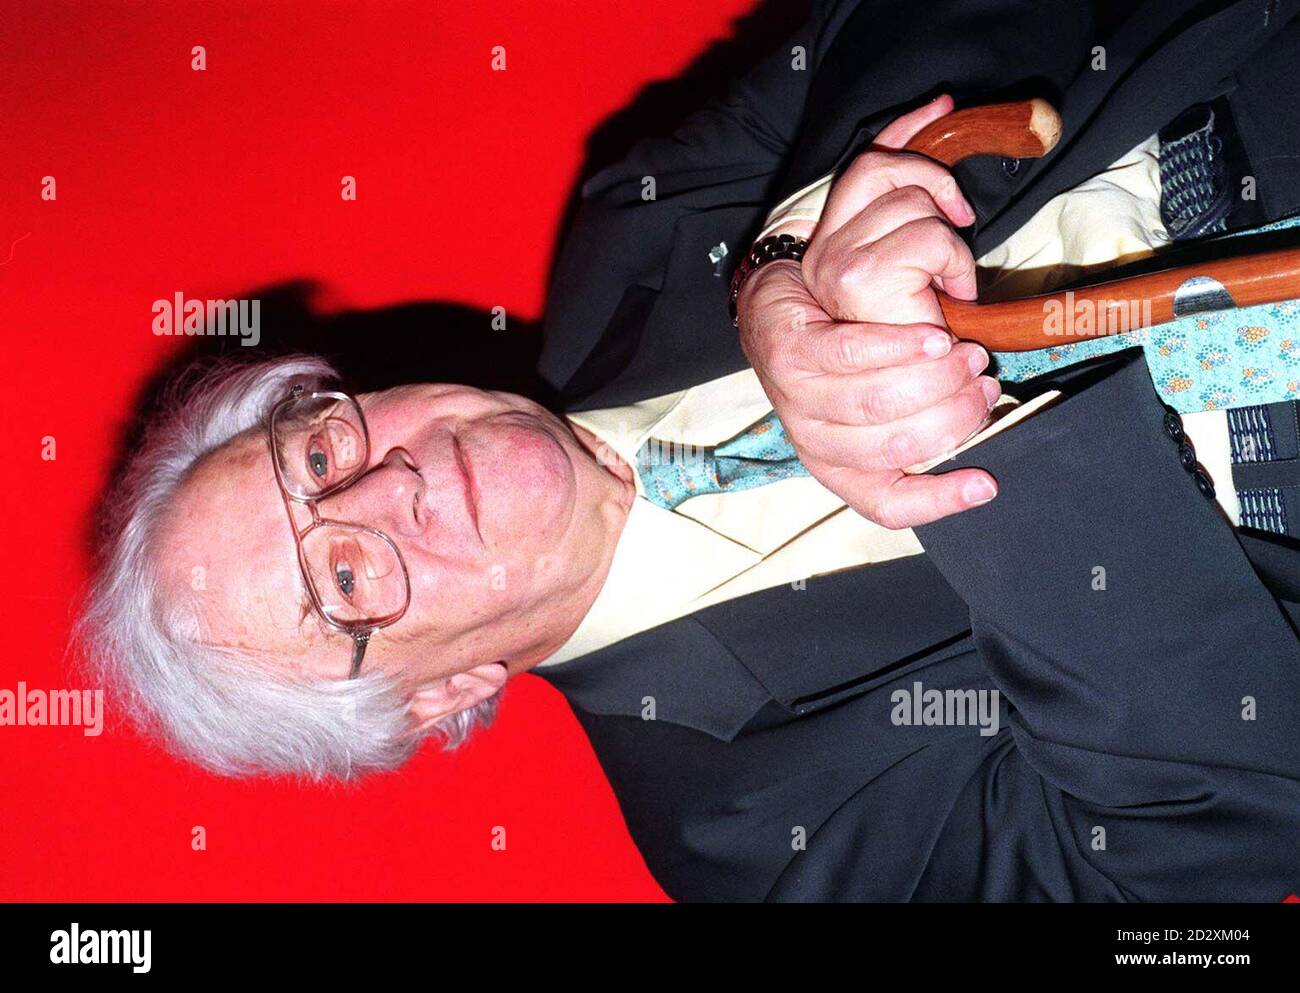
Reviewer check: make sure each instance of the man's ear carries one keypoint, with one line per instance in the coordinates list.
(445, 697)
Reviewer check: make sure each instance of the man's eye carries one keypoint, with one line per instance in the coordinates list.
(346, 580)
(319, 462)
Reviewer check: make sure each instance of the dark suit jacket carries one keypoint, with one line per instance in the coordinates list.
(1145, 654)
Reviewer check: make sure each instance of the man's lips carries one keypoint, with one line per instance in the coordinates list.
(468, 486)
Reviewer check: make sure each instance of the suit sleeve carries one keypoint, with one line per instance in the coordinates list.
(729, 152)
(1153, 678)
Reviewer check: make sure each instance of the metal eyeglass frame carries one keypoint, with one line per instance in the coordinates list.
(359, 631)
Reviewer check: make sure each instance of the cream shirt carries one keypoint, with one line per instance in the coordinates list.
(719, 546)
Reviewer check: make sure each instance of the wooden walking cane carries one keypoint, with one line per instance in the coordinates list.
(1030, 129)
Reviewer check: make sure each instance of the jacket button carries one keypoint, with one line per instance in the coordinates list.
(1173, 425)
(1204, 483)
(1187, 455)
(1010, 167)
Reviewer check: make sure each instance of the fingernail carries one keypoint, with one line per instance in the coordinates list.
(978, 359)
(936, 345)
(992, 389)
(979, 490)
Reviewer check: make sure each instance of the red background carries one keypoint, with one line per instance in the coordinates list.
(209, 182)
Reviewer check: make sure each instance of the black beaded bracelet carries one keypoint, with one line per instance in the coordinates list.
(763, 251)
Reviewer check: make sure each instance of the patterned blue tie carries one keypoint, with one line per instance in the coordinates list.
(672, 473)
(1212, 361)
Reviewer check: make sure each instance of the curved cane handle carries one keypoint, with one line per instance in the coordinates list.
(1025, 129)
(1029, 129)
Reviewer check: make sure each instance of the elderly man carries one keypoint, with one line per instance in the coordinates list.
(1078, 678)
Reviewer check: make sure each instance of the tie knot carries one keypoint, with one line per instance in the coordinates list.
(673, 472)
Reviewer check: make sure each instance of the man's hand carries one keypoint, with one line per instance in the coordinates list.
(851, 345)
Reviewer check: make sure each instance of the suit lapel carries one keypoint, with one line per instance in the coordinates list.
(806, 649)
(842, 633)
(678, 672)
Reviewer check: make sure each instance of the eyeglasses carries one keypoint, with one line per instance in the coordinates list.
(354, 574)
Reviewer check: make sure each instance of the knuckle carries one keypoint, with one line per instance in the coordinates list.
(848, 352)
(844, 290)
(901, 450)
(888, 516)
(857, 269)
(954, 370)
(933, 228)
(973, 408)
(897, 347)
(875, 405)
(915, 197)
(845, 276)
(870, 160)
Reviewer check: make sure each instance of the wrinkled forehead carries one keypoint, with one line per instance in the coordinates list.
(226, 540)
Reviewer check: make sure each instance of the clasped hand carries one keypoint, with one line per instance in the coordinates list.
(851, 346)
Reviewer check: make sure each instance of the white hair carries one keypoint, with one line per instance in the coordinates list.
(216, 706)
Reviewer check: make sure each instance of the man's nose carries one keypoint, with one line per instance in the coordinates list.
(383, 497)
